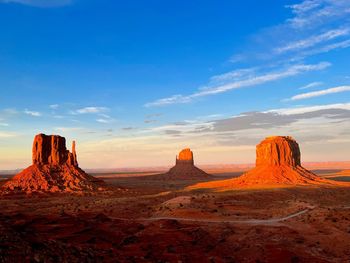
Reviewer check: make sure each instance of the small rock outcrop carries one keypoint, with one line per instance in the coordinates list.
(54, 169)
(278, 164)
(185, 169)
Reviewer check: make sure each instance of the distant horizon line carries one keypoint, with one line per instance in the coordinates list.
(156, 168)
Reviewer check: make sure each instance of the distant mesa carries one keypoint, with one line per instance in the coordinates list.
(54, 169)
(278, 163)
(185, 157)
(344, 172)
(185, 169)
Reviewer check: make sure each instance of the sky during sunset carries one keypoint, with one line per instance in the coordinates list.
(134, 82)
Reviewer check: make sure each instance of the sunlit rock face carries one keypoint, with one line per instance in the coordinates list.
(278, 164)
(278, 150)
(54, 169)
(51, 150)
(185, 157)
(185, 169)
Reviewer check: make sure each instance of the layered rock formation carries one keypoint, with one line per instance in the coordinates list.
(185, 169)
(54, 169)
(278, 163)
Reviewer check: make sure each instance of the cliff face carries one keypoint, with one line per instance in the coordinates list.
(185, 157)
(51, 150)
(278, 150)
(54, 169)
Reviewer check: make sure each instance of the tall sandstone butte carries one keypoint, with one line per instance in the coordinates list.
(184, 168)
(278, 163)
(54, 169)
(51, 150)
(185, 157)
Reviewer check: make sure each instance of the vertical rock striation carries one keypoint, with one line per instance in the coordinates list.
(278, 150)
(185, 157)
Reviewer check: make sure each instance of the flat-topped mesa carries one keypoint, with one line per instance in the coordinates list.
(277, 151)
(185, 157)
(51, 150)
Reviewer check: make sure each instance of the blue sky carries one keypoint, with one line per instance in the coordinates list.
(135, 81)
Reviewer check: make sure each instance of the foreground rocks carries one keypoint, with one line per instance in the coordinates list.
(278, 164)
(185, 168)
(54, 169)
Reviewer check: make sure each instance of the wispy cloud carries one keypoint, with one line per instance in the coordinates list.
(302, 110)
(67, 129)
(311, 13)
(7, 135)
(88, 110)
(237, 58)
(311, 85)
(315, 27)
(320, 93)
(4, 124)
(241, 83)
(104, 118)
(32, 113)
(40, 3)
(54, 106)
(233, 75)
(313, 40)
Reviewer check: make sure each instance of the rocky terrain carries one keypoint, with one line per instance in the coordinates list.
(269, 226)
(278, 164)
(151, 219)
(54, 169)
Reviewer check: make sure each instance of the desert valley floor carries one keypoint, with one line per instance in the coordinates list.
(146, 219)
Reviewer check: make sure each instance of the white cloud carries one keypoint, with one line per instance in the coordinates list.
(312, 13)
(67, 129)
(32, 113)
(233, 75)
(39, 3)
(54, 106)
(302, 110)
(237, 58)
(105, 119)
(245, 82)
(313, 40)
(320, 93)
(88, 110)
(311, 85)
(7, 135)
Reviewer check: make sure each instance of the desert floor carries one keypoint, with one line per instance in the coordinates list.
(150, 220)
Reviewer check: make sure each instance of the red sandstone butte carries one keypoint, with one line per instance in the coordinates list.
(185, 169)
(278, 163)
(54, 169)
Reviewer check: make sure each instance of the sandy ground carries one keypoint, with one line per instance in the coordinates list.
(149, 220)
